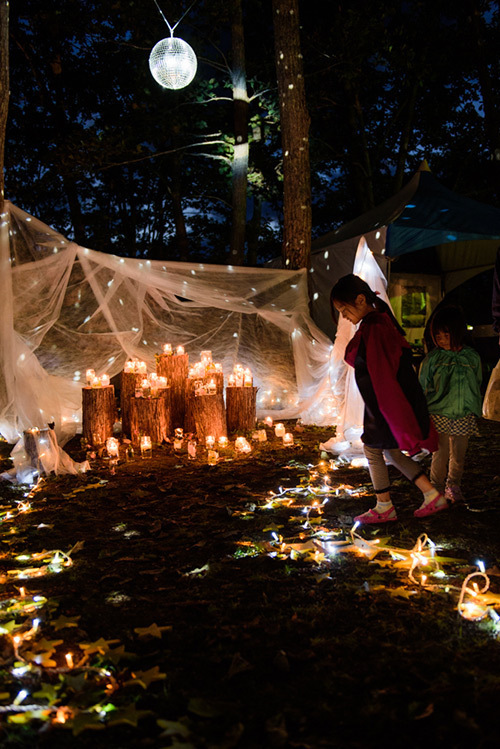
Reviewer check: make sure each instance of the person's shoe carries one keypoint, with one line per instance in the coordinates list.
(436, 505)
(372, 516)
(453, 494)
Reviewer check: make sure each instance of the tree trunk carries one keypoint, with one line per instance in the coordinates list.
(241, 408)
(98, 414)
(240, 157)
(4, 88)
(151, 417)
(175, 368)
(491, 111)
(294, 136)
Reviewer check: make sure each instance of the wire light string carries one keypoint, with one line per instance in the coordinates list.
(172, 28)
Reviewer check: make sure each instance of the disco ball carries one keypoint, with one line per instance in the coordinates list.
(173, 63)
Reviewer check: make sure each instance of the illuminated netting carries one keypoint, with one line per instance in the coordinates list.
(173, 63)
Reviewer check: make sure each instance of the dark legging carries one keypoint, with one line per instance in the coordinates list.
(379, 473)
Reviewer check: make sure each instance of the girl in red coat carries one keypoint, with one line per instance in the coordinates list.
(395, 416)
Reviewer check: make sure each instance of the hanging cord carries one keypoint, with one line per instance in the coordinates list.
(172, 28)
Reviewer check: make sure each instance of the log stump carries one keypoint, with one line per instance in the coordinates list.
(175, 368)
(98, 413)
(151, 416)
(189, 420)
(209, 415)
(241, 408)
(35, 443)
(130, 380)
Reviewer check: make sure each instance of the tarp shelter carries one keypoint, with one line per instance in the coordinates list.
(452, 238)
(67, 308)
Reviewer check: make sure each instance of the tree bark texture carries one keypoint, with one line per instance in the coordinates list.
(189, 420)
(4, 88)
(209, 415)
(175, 368)
(152, 417)
(241, 408)
(295, 121)
(98, 414)
(130, 380)
(240, 157)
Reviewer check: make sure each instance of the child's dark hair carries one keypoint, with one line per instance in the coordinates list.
(347, 289)
(449, 319)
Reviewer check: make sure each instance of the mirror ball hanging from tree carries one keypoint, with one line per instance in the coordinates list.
(173, 63)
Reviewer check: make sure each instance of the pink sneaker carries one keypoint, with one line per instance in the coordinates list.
(436, 505)
(372, 516)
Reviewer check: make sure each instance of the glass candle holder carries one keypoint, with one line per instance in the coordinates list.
(177, 444)
(212, 387)
(179, 433)
(96, 383)
(223, 442)
(279, 430)
(180, 350)
(129, 367)
(146, 447)
(288, 439)
(104, 380)
(89, 375)
(268, 421)
(262, 435)
(112, 447)
(212, 457)
(242, 445)
(192, 449)
(167, 349)
(142, 368)
(210, 441)
(206, 356)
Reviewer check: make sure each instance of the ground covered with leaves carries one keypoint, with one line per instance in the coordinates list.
(176, 604)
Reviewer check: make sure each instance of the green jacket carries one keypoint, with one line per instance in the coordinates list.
(451, 381)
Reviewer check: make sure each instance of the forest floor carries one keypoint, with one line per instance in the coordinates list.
(200, 611)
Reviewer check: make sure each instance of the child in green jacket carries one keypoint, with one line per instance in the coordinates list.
(450, 376)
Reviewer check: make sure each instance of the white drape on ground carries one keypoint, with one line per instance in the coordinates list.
(66, 308)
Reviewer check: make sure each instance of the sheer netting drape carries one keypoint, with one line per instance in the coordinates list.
(68, 308)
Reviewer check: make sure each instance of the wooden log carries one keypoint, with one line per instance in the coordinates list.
(32, 438)
(130, 380)
(209, 415)
(175, 368)
(189, 420)
(241, 408)
(98, 413)
(151, 416)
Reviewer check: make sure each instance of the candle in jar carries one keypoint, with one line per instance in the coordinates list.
(242, 445)
(146, 388)
(146, 447)
(112, 447)
(279, 430)
(129, 366)
(268, 421)
(218, 367)
(231, 381)
(142, 367)
(162, 382)
(192, 449)
(177, 443)
(206, 356)
(179, 350)
(90, 374)
(179, 433)
(212, 457)
(105, 380)
(210, 441)
(223, 442)
(262, 435)
(96, 383)
(212, 387)
(167, 348)
(247, 381)
(288, 439)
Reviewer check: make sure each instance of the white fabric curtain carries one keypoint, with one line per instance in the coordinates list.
(67, 308)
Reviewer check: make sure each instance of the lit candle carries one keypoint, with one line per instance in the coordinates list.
(112, 446)
(104, 380)
(90, 374)
(69, 660)
(206, 356)
(167, 348)
(129, 367)
(279, 430)
(288, 439)
(141, 367)
(212, 457)
(146, 388)
(262, 435)
(218, 367)
(177, 443)
(96, 383)
(146, 447)
(210, 441)
(212, 387)
(242, 445)
(268, 421)
(223, 442)
(179, 433)
(231, 381)
(192, 449)
(179, 350)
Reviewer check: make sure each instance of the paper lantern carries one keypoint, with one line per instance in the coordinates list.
(173, 63)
